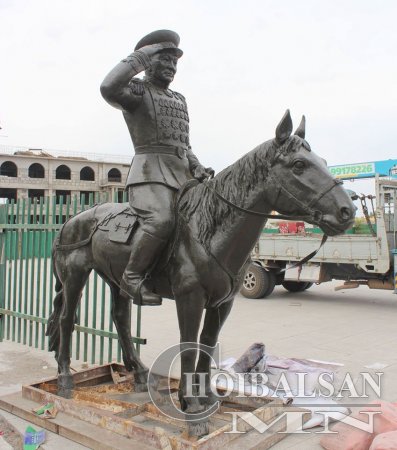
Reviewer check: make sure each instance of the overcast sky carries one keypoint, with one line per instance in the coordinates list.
(245, 62)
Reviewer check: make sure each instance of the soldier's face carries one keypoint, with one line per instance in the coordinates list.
(164, 66)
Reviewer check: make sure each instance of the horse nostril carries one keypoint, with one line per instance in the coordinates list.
(345, 213)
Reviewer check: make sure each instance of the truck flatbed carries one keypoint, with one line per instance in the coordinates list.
(360, 258)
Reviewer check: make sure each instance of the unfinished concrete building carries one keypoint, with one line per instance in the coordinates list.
(33, 173)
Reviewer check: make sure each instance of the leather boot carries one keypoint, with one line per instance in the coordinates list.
(145, 249)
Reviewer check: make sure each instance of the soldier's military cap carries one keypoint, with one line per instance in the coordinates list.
(169, 38)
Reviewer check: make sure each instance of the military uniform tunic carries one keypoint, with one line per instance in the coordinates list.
(158, 122)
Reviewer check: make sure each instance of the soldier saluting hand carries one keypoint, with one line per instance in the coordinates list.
(158, 121)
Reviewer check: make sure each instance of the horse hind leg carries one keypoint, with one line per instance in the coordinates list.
(73, 286)
(53, 322)
(121, 314)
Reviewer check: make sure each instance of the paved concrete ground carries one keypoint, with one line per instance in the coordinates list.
(354, 327)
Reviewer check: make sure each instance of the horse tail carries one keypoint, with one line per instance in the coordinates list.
(53, 330)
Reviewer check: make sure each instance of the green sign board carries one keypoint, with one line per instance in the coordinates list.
(360, 170)
(385, 168)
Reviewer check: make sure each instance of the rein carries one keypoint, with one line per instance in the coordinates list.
(317, 215)
(251, 211)
(307, 257)
(314, 215)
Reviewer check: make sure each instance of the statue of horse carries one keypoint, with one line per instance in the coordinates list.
(218, 224)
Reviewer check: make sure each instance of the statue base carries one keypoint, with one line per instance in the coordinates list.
(104, 400)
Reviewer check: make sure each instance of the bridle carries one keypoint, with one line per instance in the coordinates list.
(313, 215)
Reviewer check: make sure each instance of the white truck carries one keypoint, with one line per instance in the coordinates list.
(353, 258)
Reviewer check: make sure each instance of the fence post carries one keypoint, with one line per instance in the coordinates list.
(2, 269)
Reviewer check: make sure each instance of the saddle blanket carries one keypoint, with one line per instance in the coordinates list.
(120, 224)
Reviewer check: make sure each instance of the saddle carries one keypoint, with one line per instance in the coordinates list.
(120, 224)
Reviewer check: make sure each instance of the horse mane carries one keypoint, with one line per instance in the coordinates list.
(234, 183)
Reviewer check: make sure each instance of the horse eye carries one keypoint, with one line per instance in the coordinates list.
(299, 165)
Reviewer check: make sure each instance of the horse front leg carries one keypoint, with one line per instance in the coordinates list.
(213, 322)
(121, 314)
(190, 306)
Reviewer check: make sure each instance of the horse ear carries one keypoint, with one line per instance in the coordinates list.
(300, 131)
(284, 128)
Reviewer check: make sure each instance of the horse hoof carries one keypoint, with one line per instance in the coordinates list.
(199, 428)
(153, 381)
(140, 387)
(65, 381)
(65, 393)
(194, 410)
(209, 400)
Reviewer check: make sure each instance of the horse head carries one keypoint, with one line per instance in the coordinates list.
(302, 186)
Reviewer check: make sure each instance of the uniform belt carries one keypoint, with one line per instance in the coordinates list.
(167, 150)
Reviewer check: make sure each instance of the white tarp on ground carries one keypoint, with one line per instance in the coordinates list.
(293, 380)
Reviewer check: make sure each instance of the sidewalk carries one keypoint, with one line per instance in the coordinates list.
(21, 365)
(354, 327)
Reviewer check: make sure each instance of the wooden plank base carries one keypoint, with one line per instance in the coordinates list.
(103, 415)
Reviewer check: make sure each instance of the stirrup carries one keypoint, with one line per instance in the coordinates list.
(145, 298)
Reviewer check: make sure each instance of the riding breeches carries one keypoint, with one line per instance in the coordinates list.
(154, 205)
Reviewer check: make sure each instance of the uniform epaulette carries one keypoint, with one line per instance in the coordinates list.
(180, 96)
(137, 86)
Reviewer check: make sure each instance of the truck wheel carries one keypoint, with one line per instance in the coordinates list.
(296, 286)
(258, 282)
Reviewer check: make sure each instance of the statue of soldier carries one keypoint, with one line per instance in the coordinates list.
(158, 122)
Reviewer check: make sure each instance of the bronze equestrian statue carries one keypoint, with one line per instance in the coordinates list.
(158, 121)
(217, 223)
(203, 266)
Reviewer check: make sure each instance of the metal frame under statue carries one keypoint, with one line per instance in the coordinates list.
(189, 234)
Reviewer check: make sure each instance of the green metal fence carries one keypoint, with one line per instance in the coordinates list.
(27, 229)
